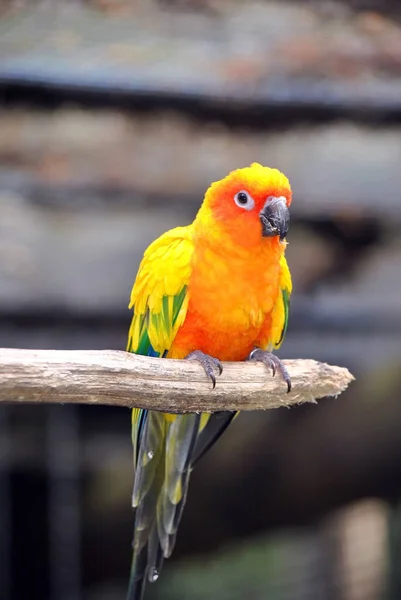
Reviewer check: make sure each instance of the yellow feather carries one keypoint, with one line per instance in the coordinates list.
(164, 272)
(279, 312)
(203, 421)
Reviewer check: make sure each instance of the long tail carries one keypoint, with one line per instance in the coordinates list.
(163, 467)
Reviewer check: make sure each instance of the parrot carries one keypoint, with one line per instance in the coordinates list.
(212, 291)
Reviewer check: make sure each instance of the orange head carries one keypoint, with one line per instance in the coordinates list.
(249, 205)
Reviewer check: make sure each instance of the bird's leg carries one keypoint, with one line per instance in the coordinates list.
(272, 362)
(209, 363)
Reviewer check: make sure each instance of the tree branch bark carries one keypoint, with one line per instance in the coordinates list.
(120, 379)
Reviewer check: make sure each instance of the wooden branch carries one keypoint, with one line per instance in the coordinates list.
(121, 379)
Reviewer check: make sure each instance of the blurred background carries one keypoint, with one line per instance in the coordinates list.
(115, 115)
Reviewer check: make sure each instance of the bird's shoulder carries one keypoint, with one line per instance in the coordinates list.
(165, 268)
(177, 241)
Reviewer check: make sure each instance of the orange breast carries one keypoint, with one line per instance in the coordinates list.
(231, 296)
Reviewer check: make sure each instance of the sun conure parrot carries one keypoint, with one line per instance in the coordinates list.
(216, 290)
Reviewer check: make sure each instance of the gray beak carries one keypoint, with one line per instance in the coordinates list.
(275, 217)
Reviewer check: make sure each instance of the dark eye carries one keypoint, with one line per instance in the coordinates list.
(244, 200)
(242, 197)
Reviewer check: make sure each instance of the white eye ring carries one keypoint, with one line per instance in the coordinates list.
(244, 200)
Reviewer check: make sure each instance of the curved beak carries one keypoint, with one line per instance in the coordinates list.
(275, 217)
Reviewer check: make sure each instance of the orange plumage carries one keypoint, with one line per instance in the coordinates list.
(235, 272)
(220, 286)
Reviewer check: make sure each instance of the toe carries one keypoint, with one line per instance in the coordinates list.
(273, 362)
(212, 377)
(284, 374)
(218, 365)
(209, 364)
(273, 366)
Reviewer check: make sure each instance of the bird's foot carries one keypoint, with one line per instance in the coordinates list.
(272, 362)
(209, 363)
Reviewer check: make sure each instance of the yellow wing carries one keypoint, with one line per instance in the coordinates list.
(159, 296)
(280, 313)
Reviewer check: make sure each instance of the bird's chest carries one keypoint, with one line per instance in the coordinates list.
(233, 295)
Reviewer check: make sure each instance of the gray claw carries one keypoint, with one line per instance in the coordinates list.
(209, 363)
(272, 362)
